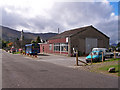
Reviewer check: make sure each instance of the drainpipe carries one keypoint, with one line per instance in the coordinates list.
(69, 46)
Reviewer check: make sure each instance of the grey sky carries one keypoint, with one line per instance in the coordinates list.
(49, 16)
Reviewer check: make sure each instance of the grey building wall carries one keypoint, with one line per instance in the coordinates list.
(78, 40)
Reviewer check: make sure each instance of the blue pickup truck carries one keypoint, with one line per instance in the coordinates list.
(96, 56)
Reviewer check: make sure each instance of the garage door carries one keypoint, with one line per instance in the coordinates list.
(90, 43)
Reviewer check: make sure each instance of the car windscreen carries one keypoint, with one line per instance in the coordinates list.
(94, 53)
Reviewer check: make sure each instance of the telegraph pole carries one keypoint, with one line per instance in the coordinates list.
(58, 30)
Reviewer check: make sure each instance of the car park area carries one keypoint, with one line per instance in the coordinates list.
(59, 59)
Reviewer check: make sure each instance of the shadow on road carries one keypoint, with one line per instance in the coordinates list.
(43, 55)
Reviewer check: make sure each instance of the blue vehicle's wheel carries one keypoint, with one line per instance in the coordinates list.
(96, 60)
(87, 61)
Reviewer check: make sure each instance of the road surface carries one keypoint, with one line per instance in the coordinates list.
(24, 72)
(60, 59)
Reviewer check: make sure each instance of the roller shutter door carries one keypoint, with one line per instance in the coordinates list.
(90, 43)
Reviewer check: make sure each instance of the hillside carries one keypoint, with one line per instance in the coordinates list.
(11, 34)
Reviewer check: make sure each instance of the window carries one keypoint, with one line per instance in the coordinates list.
(63, 47)
(50, 47)
(57, 47)
(28, 48)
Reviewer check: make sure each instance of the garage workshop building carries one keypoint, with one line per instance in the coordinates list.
(83, 39)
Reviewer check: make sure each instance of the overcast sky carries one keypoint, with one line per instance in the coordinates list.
(41, 16)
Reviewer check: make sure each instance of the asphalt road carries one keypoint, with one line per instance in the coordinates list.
(23, 72)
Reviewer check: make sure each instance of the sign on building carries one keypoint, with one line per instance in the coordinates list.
(66, 39)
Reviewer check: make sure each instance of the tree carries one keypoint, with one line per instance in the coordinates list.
(17, 39)
(33, 41)
(10, 44)
(23, 37)
(38, 40)
(0, 43)
(3, 44)
(118, 45)
(43, 41)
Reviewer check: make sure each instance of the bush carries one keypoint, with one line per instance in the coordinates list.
(80, 53)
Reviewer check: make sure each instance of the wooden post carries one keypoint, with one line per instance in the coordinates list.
(76, 57)
(91, 58)
(102, 57)
(114, 54)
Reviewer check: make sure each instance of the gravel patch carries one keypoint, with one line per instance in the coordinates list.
(95, 67)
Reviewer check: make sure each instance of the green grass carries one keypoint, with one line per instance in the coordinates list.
(117, 68)
(117, 59)
(16, 53)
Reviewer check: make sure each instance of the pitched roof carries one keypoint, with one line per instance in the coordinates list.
(73, 32)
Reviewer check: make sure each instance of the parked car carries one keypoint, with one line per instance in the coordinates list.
(96, 56)
(119, 54)
(20, 50)
(106, 52)
(12, 50)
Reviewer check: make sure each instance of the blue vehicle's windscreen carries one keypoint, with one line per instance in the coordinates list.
(94, 53)
(28, 49)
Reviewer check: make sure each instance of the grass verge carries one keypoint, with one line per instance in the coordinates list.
(117, 59)
(102, 67)
(117, 68)
(16, 53)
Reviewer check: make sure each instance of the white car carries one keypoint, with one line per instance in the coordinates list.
(105, 51)
(119, 54)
